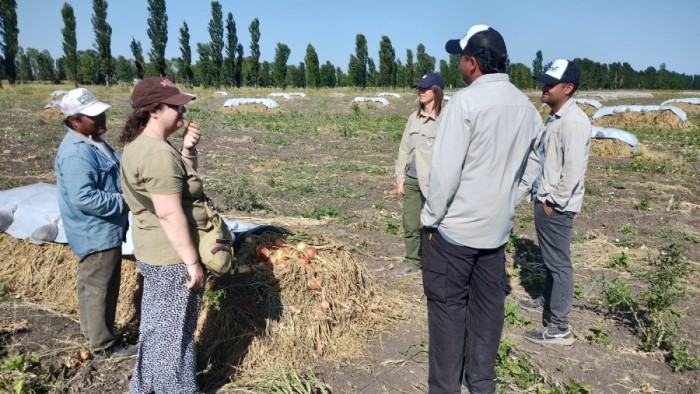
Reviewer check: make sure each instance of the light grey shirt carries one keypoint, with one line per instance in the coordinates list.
(478, 159)
(566, 148)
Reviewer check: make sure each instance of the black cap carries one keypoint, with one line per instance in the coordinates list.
(430, 79)
(561, 71)
(478, 37)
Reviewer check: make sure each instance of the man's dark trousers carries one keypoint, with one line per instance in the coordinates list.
(466, 294)
(98, 290)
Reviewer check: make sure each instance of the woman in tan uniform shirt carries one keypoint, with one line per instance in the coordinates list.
(413, 165)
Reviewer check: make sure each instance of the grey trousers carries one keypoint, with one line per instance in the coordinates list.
(554, 236)
(412, 204)
(99, 275)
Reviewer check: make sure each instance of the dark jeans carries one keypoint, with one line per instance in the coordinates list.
(554, 237)
(466, 296)
(99, 275)
(412, 204)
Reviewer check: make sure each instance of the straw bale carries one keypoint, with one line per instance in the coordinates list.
(270, 316)
(50, 114)
(369, 104)
(610, 148)
(688, 108)
(587, 108)
(251, 108)
(48, 274)
(291, 313)
(661, 119)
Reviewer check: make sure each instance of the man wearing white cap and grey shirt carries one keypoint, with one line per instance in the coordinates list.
(94, 217)
(479, 156)
(554, 176)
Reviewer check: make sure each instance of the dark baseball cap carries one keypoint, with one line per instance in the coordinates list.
(561, 71)
(477, 37)
(428, 80)
(153, 90)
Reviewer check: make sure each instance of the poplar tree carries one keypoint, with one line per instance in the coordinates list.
(216, 33)
(361, 57)
(313, 73)
(424, 62)
(103, 38)
(254, 75)
(328, 75)
(9, 44)
(70, 43)
(238, 71)
(387, 64)
(279, 67)
(185, 66)
(410, 67)
(537, 67)
(229, 71)
(139, 61)
(158, 33)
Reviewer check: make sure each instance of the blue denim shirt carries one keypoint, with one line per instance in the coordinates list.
(94, 214)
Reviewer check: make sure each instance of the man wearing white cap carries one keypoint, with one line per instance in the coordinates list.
(554, 176)
(94, 217)
(479, 155)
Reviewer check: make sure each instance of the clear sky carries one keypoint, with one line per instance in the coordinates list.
(641, 32)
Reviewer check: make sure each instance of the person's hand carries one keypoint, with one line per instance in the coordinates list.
(190, 138)
(548, 208)
(195, 276)
(399, 187)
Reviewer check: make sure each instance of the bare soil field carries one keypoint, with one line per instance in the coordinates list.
(323, 168)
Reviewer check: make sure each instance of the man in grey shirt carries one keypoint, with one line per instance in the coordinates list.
(554, 175)
(478, 159)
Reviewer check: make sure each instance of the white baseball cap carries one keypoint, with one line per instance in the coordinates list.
(81, 101)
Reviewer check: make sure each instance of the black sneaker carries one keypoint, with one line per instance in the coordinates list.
(119, 349)
(533, 304)
(551, 334)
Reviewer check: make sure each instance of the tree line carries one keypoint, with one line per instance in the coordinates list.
(222, 62)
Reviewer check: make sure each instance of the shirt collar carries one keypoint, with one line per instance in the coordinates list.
(77, 138)
(431, 115)
(496, 77)
(564, 108)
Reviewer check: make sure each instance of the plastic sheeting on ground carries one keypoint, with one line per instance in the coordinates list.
(693, 100)
(614, 95)
(387, 94)
(380, 100)
(613, 133)
(220, 93)
(616, 109)
(58, 93)
(591, 102)
(233, 102)
(53, 104)
(336, 94)
(31, 213)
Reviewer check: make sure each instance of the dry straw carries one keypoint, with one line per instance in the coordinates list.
(296, 315)
(602, 147)
(661, 119)
(688, 108)
(251, 108)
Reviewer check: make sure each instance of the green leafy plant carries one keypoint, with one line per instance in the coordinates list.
(644, 204)
(619, 261)
(513, 318)
(628, 229)
(22, 374)
(597, 334)
(653, 313)
(615, 183)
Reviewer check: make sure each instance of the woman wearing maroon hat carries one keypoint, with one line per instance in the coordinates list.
(166, 198)
(413, 164)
